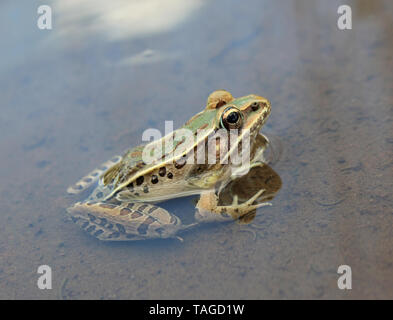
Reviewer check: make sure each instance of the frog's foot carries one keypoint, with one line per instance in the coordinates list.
(92, 177)
(209, 210)
(237, 210)
(125, 221)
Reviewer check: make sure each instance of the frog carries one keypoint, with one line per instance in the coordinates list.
(123, 205)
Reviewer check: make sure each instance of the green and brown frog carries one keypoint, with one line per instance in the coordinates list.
(122, 205)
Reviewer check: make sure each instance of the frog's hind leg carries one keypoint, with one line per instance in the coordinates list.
(88, 180)
(125, 221)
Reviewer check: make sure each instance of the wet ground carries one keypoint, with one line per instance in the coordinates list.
(74, 96)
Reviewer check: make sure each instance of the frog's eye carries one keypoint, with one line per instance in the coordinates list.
(231, 118)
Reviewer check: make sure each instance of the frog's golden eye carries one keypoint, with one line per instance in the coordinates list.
(231, 118)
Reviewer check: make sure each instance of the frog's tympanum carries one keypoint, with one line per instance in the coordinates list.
(122, 205)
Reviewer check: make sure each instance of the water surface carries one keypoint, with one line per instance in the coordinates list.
(74, 96)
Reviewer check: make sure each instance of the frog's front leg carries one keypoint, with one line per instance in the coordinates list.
(208, 209)
(125, 221)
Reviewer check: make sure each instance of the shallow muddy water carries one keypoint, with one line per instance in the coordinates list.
(74, 96)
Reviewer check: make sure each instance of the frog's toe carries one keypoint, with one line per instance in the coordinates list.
(88, 180)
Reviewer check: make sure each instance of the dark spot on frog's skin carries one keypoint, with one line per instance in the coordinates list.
(180, 163)
(85, 224)
(162, 171)
(146, 189)
(95, 174)
(114, 235)
(125, 211)
(109, 226)
(91, 217)
(99, 195)
(170, 175)
(139, 180)
(130, 205)
(121, 228)
(152, 209)
(103, 221)
(107, 206)
(136, 194)
(142, 229)
(136, 215)
(142, 207)
(160, 231)
(90, 229)
(154, 179)
(115, 202)
(88, 180)
(98, 232)
(140, 164)
(131, 187)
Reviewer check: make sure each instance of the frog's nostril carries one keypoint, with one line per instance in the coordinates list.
(255, 106)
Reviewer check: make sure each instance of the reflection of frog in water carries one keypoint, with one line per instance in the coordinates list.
(259, 178)
(120, 207)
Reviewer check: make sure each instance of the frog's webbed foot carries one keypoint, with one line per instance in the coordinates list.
(209, 210)
(125, 221)
(88, 180)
